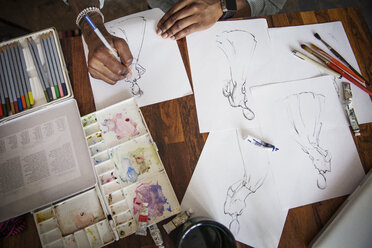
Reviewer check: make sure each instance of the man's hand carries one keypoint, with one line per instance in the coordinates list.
(101, 62)
(188, 16)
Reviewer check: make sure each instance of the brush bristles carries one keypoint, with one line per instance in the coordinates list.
(317, 36)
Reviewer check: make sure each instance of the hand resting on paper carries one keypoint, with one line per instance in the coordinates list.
(189, 16)
(101, 62)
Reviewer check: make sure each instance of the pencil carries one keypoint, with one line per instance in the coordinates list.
(101, 37)
(3, 93)
(52, 62)
(5, 68)
(16, 79)
(48, 63)
(19, 76)
(13, 85)
(316, 63)
(50, 41)
(58, 63)
(340, 57)
(6, 106)
(38, 69)
(41, 68)
(25, 74)
(48, 79)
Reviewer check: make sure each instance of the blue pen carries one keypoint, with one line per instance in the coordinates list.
(101, 37)
(260, 143)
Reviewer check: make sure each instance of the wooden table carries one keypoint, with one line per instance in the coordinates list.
(174, 127)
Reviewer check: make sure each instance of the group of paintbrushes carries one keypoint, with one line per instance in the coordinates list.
(15, 87)
(338, 66)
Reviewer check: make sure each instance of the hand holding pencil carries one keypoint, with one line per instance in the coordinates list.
(102, 63)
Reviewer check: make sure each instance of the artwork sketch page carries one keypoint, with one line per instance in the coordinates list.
(317, 157)
(223, 60)
(284, 66)
(158, 72)
(241, 194)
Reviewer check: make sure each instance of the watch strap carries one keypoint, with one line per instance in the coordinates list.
(228, 8)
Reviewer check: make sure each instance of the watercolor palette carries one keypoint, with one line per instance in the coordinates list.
(76, 222)
(128, 172)
(124, 154)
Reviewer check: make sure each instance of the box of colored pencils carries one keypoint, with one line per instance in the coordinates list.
(32, 73)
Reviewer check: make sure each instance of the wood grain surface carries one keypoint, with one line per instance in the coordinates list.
(174, 127)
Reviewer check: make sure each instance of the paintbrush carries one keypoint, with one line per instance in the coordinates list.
(341, 58)
(336, 68)
(337, 62)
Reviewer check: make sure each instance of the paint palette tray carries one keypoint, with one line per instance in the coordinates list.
(127, 164)
(128, 172)
(32, 73)
(76, 222)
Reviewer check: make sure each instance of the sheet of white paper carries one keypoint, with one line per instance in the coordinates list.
(284, 66)
(223, 60)
(317, 157)
(240, 195)
(157, 67)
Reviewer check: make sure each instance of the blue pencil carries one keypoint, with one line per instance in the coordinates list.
(101, 37)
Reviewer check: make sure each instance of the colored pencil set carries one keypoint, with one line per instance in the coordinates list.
(20, 89)
(335, 66)
(15, 91)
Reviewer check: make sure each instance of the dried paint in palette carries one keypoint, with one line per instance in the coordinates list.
(127, 228)
(69, 241)
(156, 190)
(121, 122)
(123, 217)
(94, 138)
(120, 207)
(44, 214)
(115, 197)
(93, 236)
(107, 177)
(134, 159)
(105, 231)
(91, 129)
(101, 157)
(97, 148)
(88, 119)
(78, 212)
(76, 222)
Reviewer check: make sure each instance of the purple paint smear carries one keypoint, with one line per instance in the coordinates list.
(153, 195)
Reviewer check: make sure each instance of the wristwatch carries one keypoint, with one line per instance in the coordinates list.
(228, 8)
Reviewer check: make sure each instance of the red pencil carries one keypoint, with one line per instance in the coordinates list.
(348, 77)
